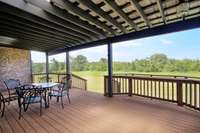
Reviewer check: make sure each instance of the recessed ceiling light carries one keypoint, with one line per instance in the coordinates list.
(7, 40)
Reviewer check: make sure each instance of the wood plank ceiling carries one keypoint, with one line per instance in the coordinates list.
(46, 25)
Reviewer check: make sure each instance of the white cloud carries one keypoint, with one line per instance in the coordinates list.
(90, 51)
(128, 44)
(165, 41)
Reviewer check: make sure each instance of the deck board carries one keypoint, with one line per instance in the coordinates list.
(93, 113)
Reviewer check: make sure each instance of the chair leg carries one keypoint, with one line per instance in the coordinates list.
(41, 107)
(3, 111)
(19, 104)
(68, 98)
(57, 99)
(62, 102)
(49, 97)
(25, 106)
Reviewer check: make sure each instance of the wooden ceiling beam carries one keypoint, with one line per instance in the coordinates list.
(42, 23)
(39, 30)
(68, 6)
(117, 9)
(141, 12)
(160, 6)
(63, 14)
(95, 8)
(41, 10)
(21, 36)
(25, 33)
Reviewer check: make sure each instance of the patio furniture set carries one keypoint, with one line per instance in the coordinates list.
(28, 94)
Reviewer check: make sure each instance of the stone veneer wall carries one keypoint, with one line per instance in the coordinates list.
(14, 63)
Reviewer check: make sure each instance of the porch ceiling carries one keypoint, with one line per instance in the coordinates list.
(73, 24)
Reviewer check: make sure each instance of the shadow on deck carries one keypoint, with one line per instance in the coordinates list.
(93, 113)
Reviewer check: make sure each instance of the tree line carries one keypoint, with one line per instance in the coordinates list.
(155, 63)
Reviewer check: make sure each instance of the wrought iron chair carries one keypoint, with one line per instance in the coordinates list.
(27, 95)
(62, 90)
(11, 84)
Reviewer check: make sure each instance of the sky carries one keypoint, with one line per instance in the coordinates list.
(179, 45)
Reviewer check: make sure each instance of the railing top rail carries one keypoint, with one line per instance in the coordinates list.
(156, 75)
(61, 74)
(79, 77)
(171, 79)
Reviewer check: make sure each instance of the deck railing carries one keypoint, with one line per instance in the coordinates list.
(77, 81)
(183, 91)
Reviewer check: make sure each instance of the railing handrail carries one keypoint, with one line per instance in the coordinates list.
(77, 81)
(61, 74)
(158, 78)
(156, 75)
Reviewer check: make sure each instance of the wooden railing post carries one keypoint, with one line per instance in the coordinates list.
(58, 78)
(47, 67)
(179, 94)
(85, 84)
(130, 87)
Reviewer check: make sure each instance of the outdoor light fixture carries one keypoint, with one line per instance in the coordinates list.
(7, 40)
(183, 8)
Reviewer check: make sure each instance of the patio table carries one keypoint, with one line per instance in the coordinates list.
(46, 86)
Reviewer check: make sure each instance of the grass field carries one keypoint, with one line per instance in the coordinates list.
(96, 78)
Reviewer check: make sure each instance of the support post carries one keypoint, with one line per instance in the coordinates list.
(110, 69)
(179, 94)
(67, 63)
(47, 67)
(31, 65)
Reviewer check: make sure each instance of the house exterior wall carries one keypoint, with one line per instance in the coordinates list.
(15, 64)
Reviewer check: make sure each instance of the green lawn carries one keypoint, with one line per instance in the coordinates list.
(96, 78)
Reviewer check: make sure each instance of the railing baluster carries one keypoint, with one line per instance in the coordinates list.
(167, 90)
(163, 90)
(145, 87)
(186, 93)
(140, 87)
(199, 95)
(155, 85)
(151, 88)
(159, 89)
(190, 93)
(195, 95)
(137, 86)
(148, 88)
(126, 85)
(172, 91)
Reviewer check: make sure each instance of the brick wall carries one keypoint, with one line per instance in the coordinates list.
(14, 63)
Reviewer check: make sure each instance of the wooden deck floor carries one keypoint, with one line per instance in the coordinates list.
(94, 113)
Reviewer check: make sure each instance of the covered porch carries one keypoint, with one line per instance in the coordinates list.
(131, 103)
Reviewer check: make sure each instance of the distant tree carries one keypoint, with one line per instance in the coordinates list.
(102, 64)
(155, 63)
(54, 66)
(38, 67)
(80, 63)
(158, 62)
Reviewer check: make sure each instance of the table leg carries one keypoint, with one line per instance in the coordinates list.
(45, 98)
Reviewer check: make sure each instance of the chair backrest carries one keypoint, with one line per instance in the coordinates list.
(28, 90)
(12, 83)
(66, 82)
